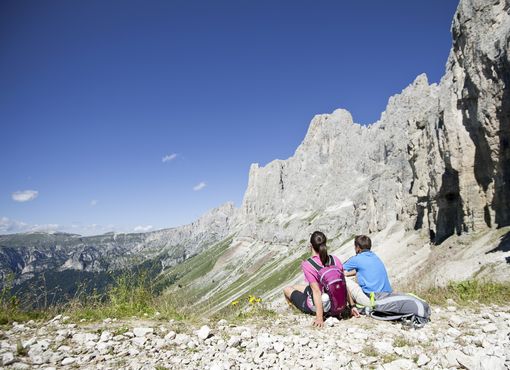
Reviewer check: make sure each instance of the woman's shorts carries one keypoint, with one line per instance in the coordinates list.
(299, 299)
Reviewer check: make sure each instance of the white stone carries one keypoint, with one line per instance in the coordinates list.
(170, 335)
(456, 321)
(105, 336)
(451, 358)
(264, 341)
(20, 366)
(355, 347)
(422, 360)
(234, 341)
(103, 347)
(383, 347)
(246, 334)
(401, 364)
(279, 347)
(181, 339)
(490, 328)
(465, 361)
(216, 366)
(331, 321)
(453, 332)
(142, 331)
(204, 332)
(7, 358)
(82, 338)
(303, 341)
(64, 349)
(139, 341)
(68, 361)
(56, 318)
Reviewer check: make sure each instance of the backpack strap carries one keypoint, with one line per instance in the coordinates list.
(318, 267)
(314, 264)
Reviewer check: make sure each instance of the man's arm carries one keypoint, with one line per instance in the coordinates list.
(317, 300)
(350, 273)
(350, 266)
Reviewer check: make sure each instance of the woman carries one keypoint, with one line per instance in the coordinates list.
(308, 298)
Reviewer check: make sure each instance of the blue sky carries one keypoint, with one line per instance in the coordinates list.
(95, 94)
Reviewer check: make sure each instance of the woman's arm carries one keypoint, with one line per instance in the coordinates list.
(354, 310)
(317, 300)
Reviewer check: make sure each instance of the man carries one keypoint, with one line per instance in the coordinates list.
(369, 270)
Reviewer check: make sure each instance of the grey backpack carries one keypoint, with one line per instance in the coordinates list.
(408, 308)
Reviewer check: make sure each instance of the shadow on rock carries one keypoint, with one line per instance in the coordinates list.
(503, 246)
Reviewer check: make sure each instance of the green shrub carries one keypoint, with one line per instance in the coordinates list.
(130, 294)
(469, 291)
(10, 309)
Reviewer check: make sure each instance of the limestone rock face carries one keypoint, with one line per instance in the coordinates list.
(438, 160)
(461, 156)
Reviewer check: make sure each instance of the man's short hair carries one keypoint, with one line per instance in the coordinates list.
(363, 242)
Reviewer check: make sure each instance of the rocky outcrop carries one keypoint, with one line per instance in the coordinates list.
(436, 161)
(461, 155)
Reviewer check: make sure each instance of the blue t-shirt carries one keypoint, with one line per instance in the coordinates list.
(370, 272)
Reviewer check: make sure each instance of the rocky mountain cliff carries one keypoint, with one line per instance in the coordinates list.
(438, 160)
(432, 175)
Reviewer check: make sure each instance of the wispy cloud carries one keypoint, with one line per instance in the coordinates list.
(169, 157)
(24, 195)
(8, 226)
(93, 202)
(142, 228)
(199, 186)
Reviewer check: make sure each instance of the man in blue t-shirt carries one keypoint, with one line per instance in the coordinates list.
(369, 270)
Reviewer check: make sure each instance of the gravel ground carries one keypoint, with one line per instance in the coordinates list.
(455, 338)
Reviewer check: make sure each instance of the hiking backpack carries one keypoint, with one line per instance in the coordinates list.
(332, 281)
(408, 308)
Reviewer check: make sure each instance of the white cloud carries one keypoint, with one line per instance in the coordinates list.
(8, 226)
(142, 228)
(24, 195)
(45, 228)
(199, 186)
(93, 202)
(169, 157)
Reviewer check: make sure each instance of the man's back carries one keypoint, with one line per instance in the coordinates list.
(370, 271)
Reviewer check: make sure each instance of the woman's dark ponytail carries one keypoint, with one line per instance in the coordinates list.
(323, 253)
(318, 241)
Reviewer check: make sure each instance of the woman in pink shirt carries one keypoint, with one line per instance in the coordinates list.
(309, 298)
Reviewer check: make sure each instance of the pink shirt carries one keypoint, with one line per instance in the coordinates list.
(311, 275)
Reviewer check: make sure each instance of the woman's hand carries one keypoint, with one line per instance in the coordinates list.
(317, 300)
(319, 323)
(354, 312)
